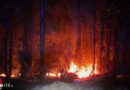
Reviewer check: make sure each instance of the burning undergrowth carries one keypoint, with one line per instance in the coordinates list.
(81, 72)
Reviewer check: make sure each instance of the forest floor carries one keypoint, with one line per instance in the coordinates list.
(100, 83)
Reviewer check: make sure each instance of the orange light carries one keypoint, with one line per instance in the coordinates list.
(13, 76)
(53, 75)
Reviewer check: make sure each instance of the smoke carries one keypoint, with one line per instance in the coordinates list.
(60, 86)
(57, 85)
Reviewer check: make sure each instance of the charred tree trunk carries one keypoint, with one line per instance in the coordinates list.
(116, 59)
(109, 43)
(101, 36)
(9, 29)
(108, 48)
(42, 32)
(10, 46)
(94, 28)
(23, 53)
(31, 26)
(78, 44)
(124, 30)
(25, 35)
(5, 50)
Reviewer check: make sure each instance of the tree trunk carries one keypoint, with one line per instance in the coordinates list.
(108, 49)
(5, 50)
(101, 36)
(116, 59)
(42, 32)
(78, 44)
(25, 35)
(109, 43)
(24, 55)
(124, 30)
(24, 50)
(94, 28)
(10, 46)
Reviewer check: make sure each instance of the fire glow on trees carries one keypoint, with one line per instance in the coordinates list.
(93, 34)
(81, 72)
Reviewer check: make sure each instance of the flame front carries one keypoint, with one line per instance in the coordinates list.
(82, 72)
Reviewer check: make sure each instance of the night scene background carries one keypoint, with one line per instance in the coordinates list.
(58, 44)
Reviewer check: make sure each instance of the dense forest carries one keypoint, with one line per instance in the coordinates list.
(40, 36)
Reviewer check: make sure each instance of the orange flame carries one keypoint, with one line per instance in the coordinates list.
(82, 72)
(73, 68)
(53, 75)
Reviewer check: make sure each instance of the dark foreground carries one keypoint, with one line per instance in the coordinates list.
(106, 83)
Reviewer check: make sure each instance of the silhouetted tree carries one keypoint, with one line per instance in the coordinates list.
(94, 28)
(124, 31)
(101, 34)
(109, 32)
(24, 54)
(8, 12)
(116, 57)
(42, 33)
(5, 49)
(10, 47)
(78, 43)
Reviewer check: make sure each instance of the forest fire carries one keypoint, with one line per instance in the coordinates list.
(85, 42)
(82, 72)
